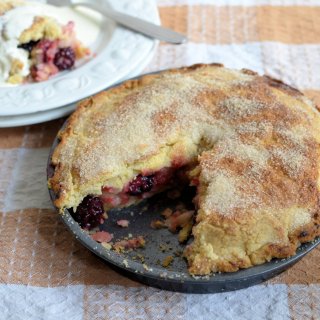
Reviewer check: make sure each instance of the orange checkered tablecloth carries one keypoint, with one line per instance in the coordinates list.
(46, 274)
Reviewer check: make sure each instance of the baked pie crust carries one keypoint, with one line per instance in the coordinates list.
(253, 143)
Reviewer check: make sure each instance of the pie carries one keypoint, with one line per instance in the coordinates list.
(33, 44)
(249, 143)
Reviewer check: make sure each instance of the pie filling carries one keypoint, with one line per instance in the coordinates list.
(35, 45)
(90, 213)
(49, 57)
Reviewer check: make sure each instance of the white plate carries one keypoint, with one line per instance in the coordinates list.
(36, 117)
(119, 53)
(42, 116)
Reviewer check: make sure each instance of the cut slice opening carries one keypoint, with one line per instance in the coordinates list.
(91, 211)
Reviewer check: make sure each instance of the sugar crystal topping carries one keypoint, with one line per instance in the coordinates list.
(252, 147)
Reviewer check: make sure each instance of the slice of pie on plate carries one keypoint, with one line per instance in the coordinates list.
(34, 45)
(249, 143)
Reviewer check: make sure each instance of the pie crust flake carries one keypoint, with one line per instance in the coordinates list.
(249, 143)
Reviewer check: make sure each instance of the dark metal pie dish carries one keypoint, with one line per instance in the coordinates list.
(162, 243)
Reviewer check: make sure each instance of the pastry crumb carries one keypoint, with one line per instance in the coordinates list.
(167, 261)
(185, 232)
(157, 224)
(106, 245)
(146, 267)
(130, 244)
(178, 220)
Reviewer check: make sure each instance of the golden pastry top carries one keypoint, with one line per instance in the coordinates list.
(257, 139)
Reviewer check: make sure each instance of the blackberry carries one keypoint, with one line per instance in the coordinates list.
(28, 46)
(64, 58)
(140, 184)
(89, 213)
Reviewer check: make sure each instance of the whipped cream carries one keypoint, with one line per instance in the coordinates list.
(15, 21)
(8, 53)
(12, 24)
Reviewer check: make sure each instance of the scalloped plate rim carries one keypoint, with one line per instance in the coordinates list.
(52, 114)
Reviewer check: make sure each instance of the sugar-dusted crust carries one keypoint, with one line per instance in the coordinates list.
(42, 27)
(256, 141)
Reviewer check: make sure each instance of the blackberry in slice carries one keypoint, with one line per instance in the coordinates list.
(28, 46)
(89, 213)
(140, 184)
(65, 58)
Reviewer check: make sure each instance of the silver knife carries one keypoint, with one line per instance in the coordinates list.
(147, 28)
